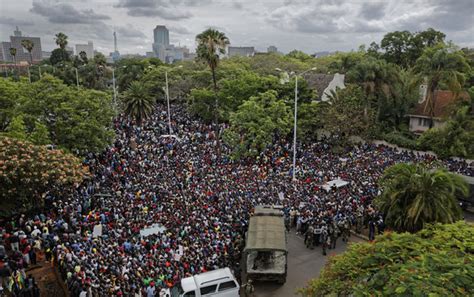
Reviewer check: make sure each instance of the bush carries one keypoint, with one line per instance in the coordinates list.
(400, 139)
(437, 261)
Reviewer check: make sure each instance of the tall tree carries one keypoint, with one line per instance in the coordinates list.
(138, 104)
(13, 54)
(377, 79)
(414, 195)
(441, 66)
(28, 45)
(61, 40)
(212, 44)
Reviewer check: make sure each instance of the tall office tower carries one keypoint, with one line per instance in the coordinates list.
(17, 32)
(161, 42)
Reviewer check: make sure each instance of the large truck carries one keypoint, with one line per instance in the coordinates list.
(265, 253)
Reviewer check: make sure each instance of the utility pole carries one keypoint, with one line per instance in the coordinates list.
(113, 85)
(168, 102)
(77, 78)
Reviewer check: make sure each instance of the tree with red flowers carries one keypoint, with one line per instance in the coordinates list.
(28, 172)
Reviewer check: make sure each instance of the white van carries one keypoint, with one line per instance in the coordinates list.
(218, 283)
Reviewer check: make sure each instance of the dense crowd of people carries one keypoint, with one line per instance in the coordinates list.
(200, 198)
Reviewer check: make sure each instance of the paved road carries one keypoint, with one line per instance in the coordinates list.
(303, 265)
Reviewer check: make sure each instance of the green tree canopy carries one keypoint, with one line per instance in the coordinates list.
(77, 120)
(437, 261)
(256, 122)
(138, 104)
(414, 195)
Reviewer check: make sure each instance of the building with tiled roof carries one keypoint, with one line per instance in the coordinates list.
(443, 104)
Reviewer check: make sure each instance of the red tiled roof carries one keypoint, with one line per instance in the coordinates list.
(443, 101)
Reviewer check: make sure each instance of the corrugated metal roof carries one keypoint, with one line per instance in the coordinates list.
(266, 232)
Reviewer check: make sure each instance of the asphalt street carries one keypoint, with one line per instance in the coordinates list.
(303, 265)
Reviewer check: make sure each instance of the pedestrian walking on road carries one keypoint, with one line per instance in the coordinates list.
(248, 288)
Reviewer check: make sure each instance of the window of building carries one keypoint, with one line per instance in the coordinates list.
(227, 285)
(208, 289)
(420, 121)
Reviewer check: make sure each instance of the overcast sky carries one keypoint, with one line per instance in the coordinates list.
(308, 25)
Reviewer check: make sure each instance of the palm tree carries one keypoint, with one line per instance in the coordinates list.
(377, 79)
(414, 195)
(28, 45)
(138, 103)
(441, 65)
(211, 43)
(61, 40)
(13, 54)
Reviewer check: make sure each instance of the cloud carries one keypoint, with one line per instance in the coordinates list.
(63, 13)
(15, 22)
(179, 30)
(165, 9)
(129, 32)
(373, 10)
(238, 5)
(340, 17)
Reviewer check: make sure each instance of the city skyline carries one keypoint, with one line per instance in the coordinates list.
(310, 26)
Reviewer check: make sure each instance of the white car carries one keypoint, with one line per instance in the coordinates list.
(218, 283)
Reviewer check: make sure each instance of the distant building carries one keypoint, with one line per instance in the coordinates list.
(272, 49)
(150, 54)
(244, 51)
(87, 48)
(5, 56)
(161, 41)
(443, 101)
(21, 53)
(46, 55)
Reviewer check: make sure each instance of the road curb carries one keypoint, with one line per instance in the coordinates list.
(359, 235)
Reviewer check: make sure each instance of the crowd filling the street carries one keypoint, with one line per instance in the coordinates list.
(199, 199)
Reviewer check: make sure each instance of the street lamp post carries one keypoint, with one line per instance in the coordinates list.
(168, 103)
(167, 91)
(113, 85)
(296, 118)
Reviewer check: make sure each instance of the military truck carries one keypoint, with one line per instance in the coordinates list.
(265, 253)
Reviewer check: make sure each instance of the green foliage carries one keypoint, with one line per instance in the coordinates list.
(256, 122)
(455, 138)
(9, 98)
(310, 120)
(59, 56)
(442, 66)
(400, 139)
(404, 48)
(28, 171)
(76, 120)
(437, 261)
(138, 104)
(414, 195)
(40, 134)
(344, 116)
(17, 128)
(203, 104)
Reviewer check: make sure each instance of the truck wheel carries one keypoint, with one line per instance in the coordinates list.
(282, 281)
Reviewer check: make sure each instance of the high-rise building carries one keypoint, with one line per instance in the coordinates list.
(116, 54)
(22, 55)
(87, 48)
(245, 51)
(161, 41)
